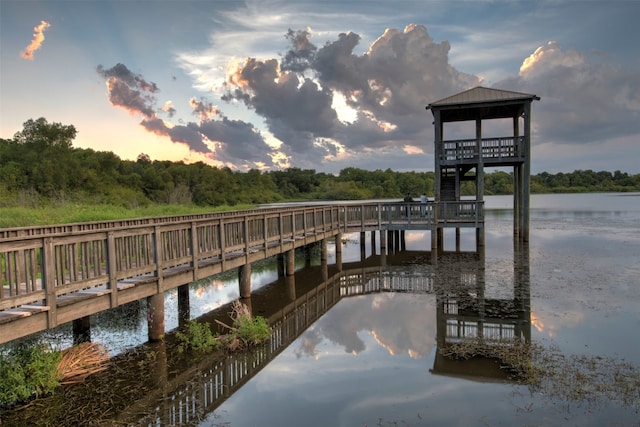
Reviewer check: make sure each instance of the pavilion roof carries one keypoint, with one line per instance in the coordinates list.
(482, 102)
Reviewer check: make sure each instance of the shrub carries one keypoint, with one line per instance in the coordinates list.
(246, 331)
(28, 370)
(197, 337)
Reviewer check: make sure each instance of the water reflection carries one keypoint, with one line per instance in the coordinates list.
(404, 304)
(468, 316)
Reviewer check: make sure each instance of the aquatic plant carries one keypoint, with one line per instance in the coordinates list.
(197, 337)
(28, 370)
(547, 371)
(247, 330)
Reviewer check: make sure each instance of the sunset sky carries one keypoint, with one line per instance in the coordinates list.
(320, 85)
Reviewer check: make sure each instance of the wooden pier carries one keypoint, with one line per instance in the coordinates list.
(62, 273)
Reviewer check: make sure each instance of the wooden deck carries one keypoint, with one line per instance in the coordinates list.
(55, 274)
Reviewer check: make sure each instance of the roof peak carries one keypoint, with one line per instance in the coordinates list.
(481, 94)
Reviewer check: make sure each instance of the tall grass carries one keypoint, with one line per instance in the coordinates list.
(65, 213)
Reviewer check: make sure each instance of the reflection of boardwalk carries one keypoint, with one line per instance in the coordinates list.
(158, 394)
(211, 385)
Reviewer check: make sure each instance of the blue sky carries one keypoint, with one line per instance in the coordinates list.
(320, 85)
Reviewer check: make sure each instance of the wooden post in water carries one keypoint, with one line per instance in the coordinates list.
(363, 250)
(184, 311)
(373, 242)
(307, 256)
(324, 253)
(280, 264)
(244, 280)
(82, 330)
(291, 262)
(155, 317)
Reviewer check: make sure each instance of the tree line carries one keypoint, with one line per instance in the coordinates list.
(40, 162)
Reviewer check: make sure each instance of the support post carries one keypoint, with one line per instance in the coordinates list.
(280, 264)
(291, 262)
(82, 330)
(184, 310)
(244, 280)
(526, 171)
(373, 242)
(155, 317)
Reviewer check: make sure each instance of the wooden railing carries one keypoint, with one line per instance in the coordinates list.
(492, 150)
(42, 268)
(45, 271)
(412, 215)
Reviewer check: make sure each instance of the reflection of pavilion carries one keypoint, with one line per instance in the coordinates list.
(466, 315)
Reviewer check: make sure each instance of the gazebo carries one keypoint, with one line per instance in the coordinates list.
(459, 160)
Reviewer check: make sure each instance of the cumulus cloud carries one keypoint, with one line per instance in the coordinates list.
(587, 98)
(203, 108)
(36, 42)
(128, 90)
(229, 142)
(386, 90)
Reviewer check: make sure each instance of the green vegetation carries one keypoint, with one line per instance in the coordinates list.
(45, 180)
(28, 370)
(246, 331)
(197, 337)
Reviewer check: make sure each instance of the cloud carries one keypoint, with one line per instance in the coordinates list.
(36, 43)
(587, 98)
(128, 90)
(386, 89)
(232, 143)
(203, 108)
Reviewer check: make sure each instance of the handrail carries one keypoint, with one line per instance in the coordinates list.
(40, 266)
(50, 262)
(491, 149)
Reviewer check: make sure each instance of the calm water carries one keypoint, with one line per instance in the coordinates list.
(369, 361)
(372, 359)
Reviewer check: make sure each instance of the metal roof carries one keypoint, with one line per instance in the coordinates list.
(479, 95)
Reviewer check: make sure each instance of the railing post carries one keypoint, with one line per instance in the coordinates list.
(48, 274)
(222, 243)
(158, 257)
(194, 249)
(112, 268)
(245, 236)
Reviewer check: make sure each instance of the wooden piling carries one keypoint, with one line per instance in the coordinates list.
(82, 330)
(244, 280)
(155, 317)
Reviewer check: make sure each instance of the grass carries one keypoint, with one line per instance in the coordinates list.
(66, 213)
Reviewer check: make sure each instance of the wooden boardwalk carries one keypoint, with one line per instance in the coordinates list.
(55, 274)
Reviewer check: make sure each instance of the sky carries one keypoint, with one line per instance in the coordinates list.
(324, 85)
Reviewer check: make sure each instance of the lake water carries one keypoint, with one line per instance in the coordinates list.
(374, 358)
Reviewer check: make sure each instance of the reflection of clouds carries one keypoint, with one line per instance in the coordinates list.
(309, 341)
(399, 323)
